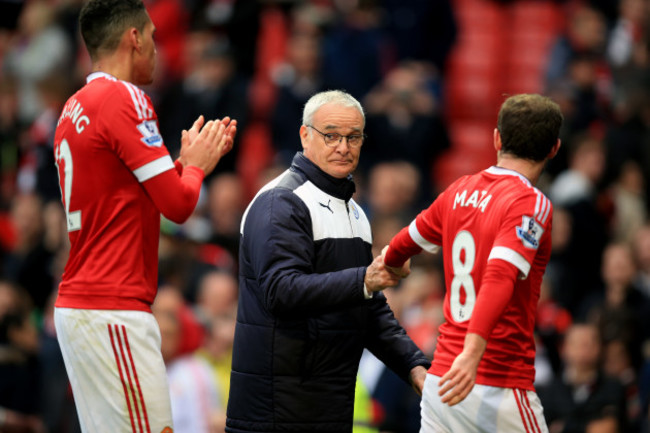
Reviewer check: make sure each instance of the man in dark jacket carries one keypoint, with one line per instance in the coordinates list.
(310, 293)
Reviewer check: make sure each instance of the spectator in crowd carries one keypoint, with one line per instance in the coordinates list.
(211, 88)
(19, 363)
(28, 264)
(576, 191)
(644, 392)
(558, 271)
(353, 48)
(217, 295)
(422, 31)
(629, 208)
(403, 109)
(172, 22)
(583, 397)
(309, 300)
(9, 140)
(641, 249)
(58, 408)
(296, 81)
(551, 324)
(44, 50)
(194, 394)
(225, 207)
(216, 351)
(628, 55)
(581, 180)
(578, 71)
(37, 170)
(586, 34)
(393, 190)
(618, 363)
(620, 309)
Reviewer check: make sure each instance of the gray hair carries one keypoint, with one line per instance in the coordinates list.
(329, 97)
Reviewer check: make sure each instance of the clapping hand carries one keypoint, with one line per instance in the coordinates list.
(204, 144)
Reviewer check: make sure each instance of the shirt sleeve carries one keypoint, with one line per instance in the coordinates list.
(132, 132)
(424, 233)
(526, 226)
(176, 196)
(497, 286)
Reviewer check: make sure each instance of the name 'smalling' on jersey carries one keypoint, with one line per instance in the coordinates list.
(73, 110)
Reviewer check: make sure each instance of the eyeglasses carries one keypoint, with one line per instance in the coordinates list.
(333, 139)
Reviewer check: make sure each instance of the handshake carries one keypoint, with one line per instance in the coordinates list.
(380, 276)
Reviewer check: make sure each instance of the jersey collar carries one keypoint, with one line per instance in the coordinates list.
(500, 171)
(99, 74)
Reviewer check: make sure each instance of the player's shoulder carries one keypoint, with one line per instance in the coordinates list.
(511, 181)
(524, 197)
(110, 90)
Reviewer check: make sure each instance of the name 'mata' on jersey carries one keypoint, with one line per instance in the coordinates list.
(494, 214)
(106, 144)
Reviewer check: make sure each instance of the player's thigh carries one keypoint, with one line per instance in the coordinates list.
(520, 411)
(431, 417)
(486, 409)
(116, 370)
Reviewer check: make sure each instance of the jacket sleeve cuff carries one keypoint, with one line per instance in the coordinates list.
(366, 294)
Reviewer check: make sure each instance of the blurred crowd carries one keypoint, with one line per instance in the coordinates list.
(258, 62)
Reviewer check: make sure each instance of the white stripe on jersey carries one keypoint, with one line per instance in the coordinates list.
(131, 90)
(542, 207)
(139, 101)
(421, 241)
(154, 168)
(548, 209)
(144, 105)
(511, 256)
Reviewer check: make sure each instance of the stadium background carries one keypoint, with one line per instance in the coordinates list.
(431, 75)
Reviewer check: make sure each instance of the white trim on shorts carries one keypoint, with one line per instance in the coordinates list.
(486, 409)
(116, 370)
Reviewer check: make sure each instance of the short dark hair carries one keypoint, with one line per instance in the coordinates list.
(102, 23)
(529, 125)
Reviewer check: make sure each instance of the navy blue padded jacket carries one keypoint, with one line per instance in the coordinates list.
(303, 320)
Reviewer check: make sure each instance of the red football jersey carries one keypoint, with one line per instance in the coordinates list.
(106, 144)
(496, 213)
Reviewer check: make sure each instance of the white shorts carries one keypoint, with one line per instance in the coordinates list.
(487, 409)
(116, 370)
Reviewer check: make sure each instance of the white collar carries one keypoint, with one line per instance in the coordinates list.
(99, 74)
(500, 171)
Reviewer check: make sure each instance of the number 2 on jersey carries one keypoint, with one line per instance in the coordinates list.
(464, 241)
(63, 155)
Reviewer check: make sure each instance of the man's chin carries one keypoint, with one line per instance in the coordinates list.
(341, 171)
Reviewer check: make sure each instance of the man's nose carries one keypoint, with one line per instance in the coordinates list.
(343, 146)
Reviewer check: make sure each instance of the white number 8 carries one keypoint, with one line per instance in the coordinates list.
(462, 276)
(63, 154)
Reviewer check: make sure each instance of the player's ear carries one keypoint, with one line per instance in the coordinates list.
(497, 140)
(135, 38)
(304, 135)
